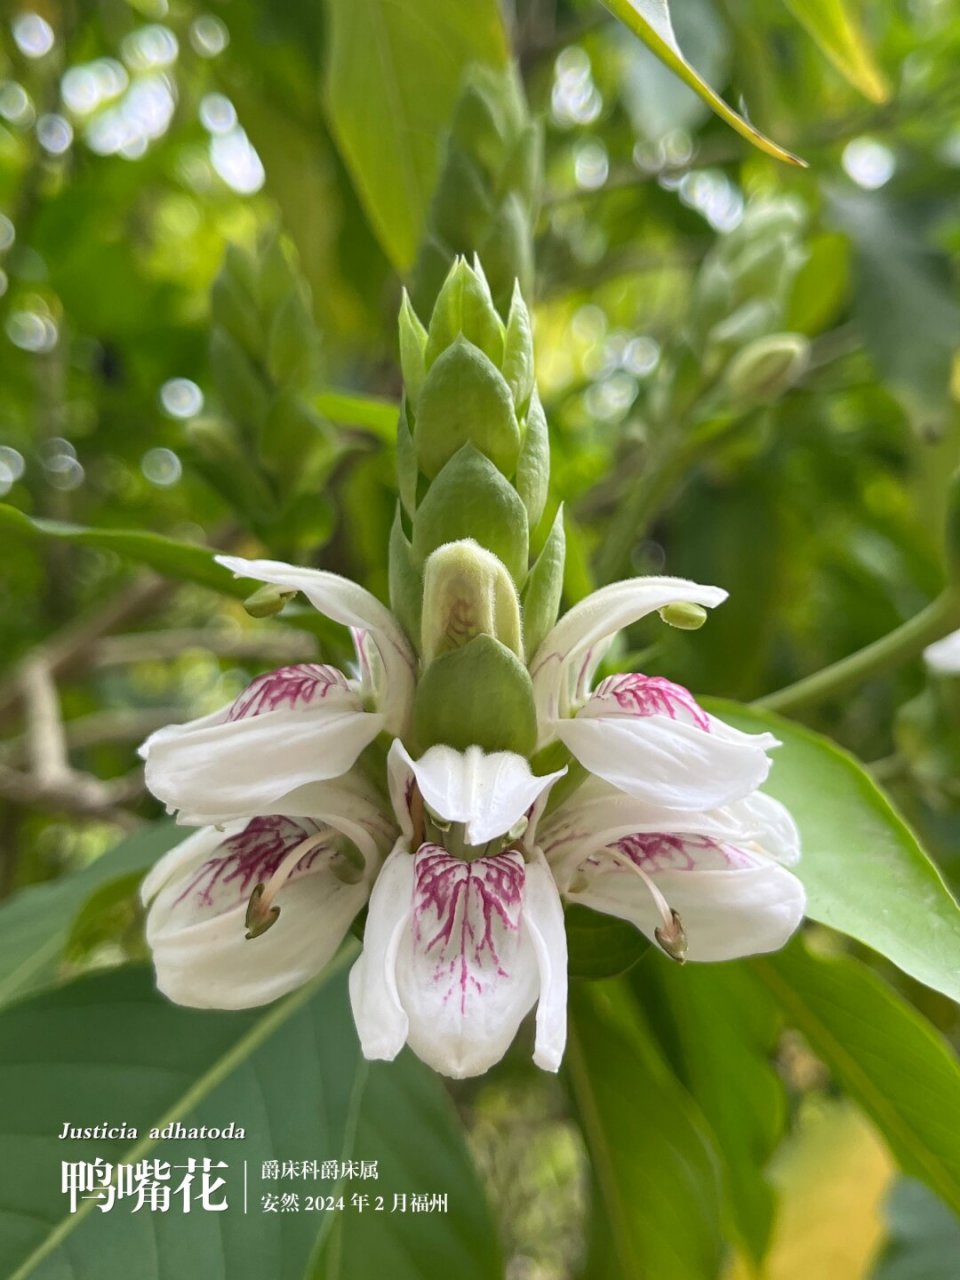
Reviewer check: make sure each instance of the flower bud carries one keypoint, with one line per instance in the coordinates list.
(767, 367)
(467, 592)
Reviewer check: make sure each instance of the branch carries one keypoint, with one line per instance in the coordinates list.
(902, 645)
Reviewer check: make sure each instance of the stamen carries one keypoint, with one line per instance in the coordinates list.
(261, 914)
(670, 935)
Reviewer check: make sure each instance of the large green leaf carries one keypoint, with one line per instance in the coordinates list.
(393, 72)
(35, 923)
(863, 869)
(107, 1048)
(656, 1206)
(723, 1031)
(924, 1239)
(883, 1053)
(836, 27)
(650, 20)
(182, 560)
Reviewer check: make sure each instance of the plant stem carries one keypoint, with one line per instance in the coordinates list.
(902, 645)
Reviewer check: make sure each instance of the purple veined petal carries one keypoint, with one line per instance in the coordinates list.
(467, 968)
(731, 902)
(564, 664)
(598, 815)
(636, 696)
(666, 762)
(380, 1017)
(487, 791)
(350, 804)
(234, 768)
(543, 917)
(197, 897)
(352, 605)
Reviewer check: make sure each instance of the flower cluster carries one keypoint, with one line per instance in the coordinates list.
(461, 782)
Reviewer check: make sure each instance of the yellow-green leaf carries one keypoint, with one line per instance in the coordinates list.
(650, 20)
(836, 28)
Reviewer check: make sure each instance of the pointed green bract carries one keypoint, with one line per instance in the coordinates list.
(465, 307)
(406, 583)
(533, 467)
(544, 589)
(413, 342)
(471, 499)
(477, 695)
(465, 400)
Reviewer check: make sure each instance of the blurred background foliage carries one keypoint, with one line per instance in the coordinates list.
(750, 371)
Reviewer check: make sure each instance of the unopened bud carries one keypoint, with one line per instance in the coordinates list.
(467, 592)
(767, 367)
(683, 615)
(267, 601)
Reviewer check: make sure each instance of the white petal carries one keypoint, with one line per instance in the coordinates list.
(198, 895)
(487, 792)
(350, 804)
(237, 768)
(665, 762)
(730, 903)
(543, 917)
(353, 606)
(568, 657)
(597, 815)
(467, 970)
(943, 656)
(379, 1016)
(774, 830)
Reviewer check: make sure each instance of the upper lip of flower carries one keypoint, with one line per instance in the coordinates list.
(291, 728)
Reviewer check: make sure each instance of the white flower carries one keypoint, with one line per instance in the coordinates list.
(709, 885)
(458, 949)
(943, 656)
(242, 914)
(643, 734)
(291, 728)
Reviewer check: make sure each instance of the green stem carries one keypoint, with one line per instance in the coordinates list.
(902, 645)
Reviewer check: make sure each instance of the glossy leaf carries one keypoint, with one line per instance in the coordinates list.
(35, 923)
(863, 868)
(881, 1052)
(656, 1210)
(725, 1029)
(650, 20)
(924, 1236)
(393, 73)
(836, 27)
(108, 1048)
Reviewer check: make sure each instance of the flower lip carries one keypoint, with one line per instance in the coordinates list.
(489, 792)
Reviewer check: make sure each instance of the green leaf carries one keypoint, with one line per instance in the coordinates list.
(836, 27)
(392, 78)
(657, 1207)
(726, 1029)
(864, 871)
(109, 1048)
(379, 417)
(181, 560)
(882, 1052)
(650, 20)
(36, 922)
(600, 945)
(924, 1239)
